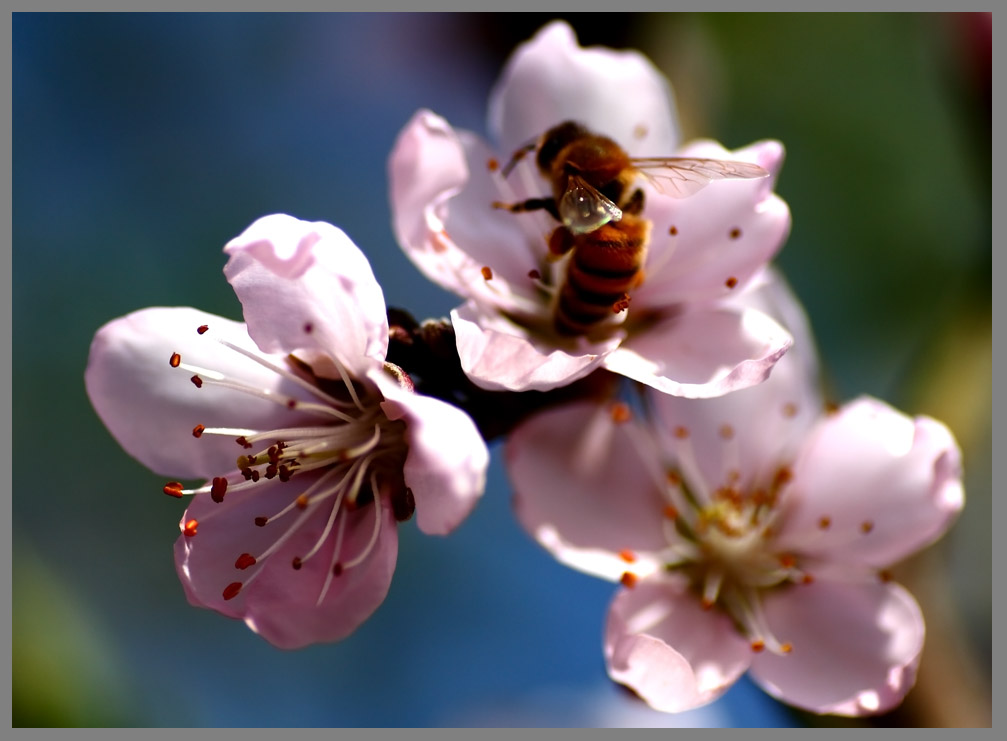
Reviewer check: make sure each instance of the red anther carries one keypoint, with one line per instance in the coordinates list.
(190, 528)
(197, 381)
(337, 569)
(670, 512)
(627, 555)
(302, 501)
(291, 403)
(673, 231)
(492, 164)
(681, 433)
(201, 329)
(628, 580)
(726, 432)
(734, 233)
(758, 645)
(824, 523)
(309, 328)
(197, 431)
(244, 561)
(885, 575)
(783, 476)
(866, 526)
(255, 476)
(243, 442)
(271, 470)
(261, 521)
(487, 273)
(788, 561)
(175, 360)
(622, 304)
(534, 275)
(731, 282)
(284, 473)
(807, 579)
(218, 489)
(790, 409)
(232, 589)
(173, 489)
(674, 478)
(296, 563)
(706, 603)
(247, 473)
(831, 407)
(620, 413)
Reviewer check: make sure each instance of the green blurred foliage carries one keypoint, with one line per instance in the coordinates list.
(64, 669)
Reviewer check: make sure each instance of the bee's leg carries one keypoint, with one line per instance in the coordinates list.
(532, 204)
(560, 242)
(635, 203)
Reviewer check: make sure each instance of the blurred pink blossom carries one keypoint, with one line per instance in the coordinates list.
(678, 335)
(750, 532)
(294, 530)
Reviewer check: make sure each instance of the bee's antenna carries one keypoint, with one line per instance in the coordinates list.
(518, 156)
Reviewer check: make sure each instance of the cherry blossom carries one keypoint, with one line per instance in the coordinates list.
(751, 532)
(677, 335)
(311, 446)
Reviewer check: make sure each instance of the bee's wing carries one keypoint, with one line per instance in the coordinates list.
(583, 209)
(680, 177)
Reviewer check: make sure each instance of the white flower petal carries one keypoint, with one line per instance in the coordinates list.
(306, 286)
(711, 244)
(661, 644)
(550, 79)
(447, 460)
(586, 491)
(703, 353)
(888, 484)
(151, 408)
(855, 647)
(497, 355)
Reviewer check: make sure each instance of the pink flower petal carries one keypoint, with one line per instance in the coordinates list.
(661, 644)
(583, 489)
(441, 194)
(447, 460)
(750, 433)
(307, 286)
(709, 245)
(703, 353)
(151, 408)
(498, 355)
(888, 485)
(550, 79)
(855, 647)
(281, 603)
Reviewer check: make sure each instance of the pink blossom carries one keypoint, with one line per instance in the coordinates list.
(294, 530)
(750, 532)
(678, 335)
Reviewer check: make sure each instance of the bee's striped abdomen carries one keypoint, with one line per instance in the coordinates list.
(604, 267)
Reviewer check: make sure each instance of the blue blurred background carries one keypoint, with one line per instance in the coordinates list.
(142, 143)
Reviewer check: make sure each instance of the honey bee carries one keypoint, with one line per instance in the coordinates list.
(600, 214)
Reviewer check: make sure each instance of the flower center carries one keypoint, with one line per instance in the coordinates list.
(721, 537)
(342, 455)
